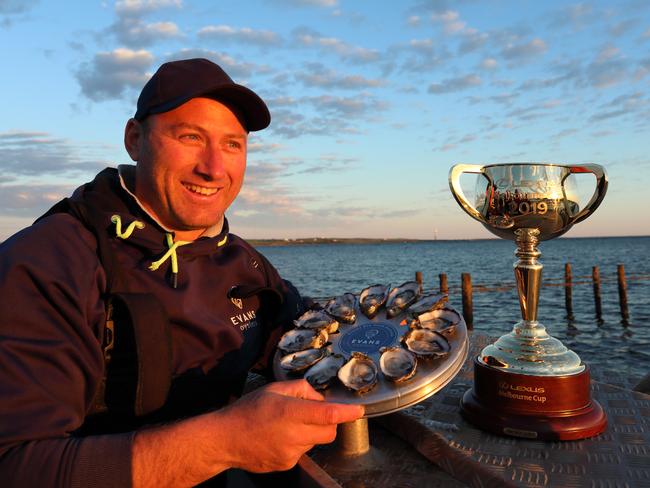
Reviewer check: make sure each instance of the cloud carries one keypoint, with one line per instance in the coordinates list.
(263, 148)
(489, 64)
(308, 38)
(318, 75)
(336, 115)
(30, 200)
(139, 7)
(309, 3)
(455, 84)
(133, 32)
(414, 20)
(418, 55)
(623, 27)
(236, 70)
(360, 106)
(244, 35)
(13, 10)
(34, 154)
(450, 20)
(524, 51)
(110, 74)
(604, 73)
(578, 15)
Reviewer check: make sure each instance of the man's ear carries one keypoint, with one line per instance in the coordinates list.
(133, 138)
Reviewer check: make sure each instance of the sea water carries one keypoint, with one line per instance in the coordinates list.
(325, 270)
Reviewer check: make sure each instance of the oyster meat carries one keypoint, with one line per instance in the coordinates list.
(301, 360)
(359, 373)
(372, 298)
(442, 320)
(397, 363)
(401, 297)
(342, 308)
(425, 343)
(427, 303)
(321, 374)
(301, 339)
(317, 319)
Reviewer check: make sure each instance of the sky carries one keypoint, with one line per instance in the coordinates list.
(372, 102)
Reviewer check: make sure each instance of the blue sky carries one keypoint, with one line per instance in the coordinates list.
(372, 103)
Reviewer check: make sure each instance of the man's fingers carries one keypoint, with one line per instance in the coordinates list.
(297, 389)
(324, 413)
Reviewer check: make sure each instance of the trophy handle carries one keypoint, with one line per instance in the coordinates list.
(457, 191)
(599, 193)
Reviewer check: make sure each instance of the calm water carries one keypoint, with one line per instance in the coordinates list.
(330, 269)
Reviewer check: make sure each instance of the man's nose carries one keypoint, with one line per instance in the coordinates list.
(212, 164)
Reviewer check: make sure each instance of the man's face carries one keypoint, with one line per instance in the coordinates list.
(190, 164)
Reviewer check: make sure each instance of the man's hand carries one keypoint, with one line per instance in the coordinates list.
(266, 430)
(276, 424)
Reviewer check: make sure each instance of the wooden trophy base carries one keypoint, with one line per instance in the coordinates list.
(533, 407)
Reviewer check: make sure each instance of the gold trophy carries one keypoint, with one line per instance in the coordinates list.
(528, 384)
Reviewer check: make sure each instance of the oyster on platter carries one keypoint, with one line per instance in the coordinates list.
(427, 303)
(442, 320)
(342, 308)
(372, 298)
(321, 374)
(301, 339)
(425, 343)
(317, 319)
(359, 373)
(401, 297)
(299, 361)
(397, 363)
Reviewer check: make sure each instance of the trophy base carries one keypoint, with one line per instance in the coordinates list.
(533, 407)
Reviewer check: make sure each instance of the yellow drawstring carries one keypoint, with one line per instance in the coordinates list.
(170, 252)
(129, 230)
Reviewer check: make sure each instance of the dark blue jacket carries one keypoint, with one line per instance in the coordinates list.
(52, 317)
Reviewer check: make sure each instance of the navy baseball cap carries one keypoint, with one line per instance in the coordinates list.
(176, 82)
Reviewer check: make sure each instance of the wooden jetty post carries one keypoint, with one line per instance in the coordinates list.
(622, 293)
(595, 274)
(418, 278)
(568, 291)
(443, 283)
(467, 300)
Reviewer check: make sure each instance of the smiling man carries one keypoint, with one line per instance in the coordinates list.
(131, 316)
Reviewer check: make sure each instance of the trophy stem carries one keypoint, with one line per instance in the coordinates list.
(528, 272)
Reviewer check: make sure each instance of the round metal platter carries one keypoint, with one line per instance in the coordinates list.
(369, 336)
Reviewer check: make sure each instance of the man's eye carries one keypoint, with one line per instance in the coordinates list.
(234, 144)
(190, 137)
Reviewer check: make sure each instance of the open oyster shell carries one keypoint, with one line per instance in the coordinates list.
(301, 339)
(427, 303)
(343, 308)
(442, 320)
(425, 343)
(401, 297)
(372, 298)
(397, 363)
(299, 361)
(321, 374)
(317, 319)
(359, 373)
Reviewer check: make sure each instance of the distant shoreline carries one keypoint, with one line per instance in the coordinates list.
(363, 240)
(329, 240)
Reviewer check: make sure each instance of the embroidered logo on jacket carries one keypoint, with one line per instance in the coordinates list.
(237, 302)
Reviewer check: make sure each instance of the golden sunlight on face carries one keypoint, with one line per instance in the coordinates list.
(190, 165)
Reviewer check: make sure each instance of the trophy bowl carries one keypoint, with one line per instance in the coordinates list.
(528, 384)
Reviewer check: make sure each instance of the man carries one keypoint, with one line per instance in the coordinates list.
(130, 305)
